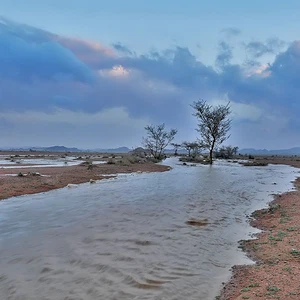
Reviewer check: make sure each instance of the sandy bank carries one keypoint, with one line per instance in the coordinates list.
(293, 161)
(58, 177)
(276, 251)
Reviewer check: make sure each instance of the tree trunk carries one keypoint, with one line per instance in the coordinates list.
(211, 152)
(211, 156)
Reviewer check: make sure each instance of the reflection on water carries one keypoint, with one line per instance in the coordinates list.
(23, 162)
(127, 238)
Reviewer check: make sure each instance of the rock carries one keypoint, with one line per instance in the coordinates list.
(90, 167)
(194, 222)
(32, 174)
(71, 185)
(93, 181)
(20, 174)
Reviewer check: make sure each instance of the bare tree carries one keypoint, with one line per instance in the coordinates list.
(213, 124)
(193, 148)
(158, 139)
(188, 147)
(235, 150)
(196, 148)
(226, 152)
(176, 148)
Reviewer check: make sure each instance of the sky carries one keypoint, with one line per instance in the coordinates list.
(92, 74)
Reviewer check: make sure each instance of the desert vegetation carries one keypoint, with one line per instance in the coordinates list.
(157, 139)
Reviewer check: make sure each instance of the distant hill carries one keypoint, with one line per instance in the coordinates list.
(56, 149)
(66, 149)
(113, 150)
(291, 151)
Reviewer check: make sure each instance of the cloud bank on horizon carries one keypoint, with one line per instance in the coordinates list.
(75, 92)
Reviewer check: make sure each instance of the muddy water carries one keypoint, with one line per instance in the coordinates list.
(126, 238)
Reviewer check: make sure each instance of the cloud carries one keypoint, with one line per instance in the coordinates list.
(286, 66)
(122, 49)
(104, 117)
(225, 54)
(27, 53)
(231, 32)
(91, 53)
(241, 111)
(258, 49)
(107, 128)
(178, 66)
(257, 69)
(64, 83)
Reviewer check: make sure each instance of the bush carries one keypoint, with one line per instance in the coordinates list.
(154, 160)
(111, 162)
(254, 164)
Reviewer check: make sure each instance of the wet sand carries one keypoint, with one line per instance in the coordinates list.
(276, 252)
(59, 177)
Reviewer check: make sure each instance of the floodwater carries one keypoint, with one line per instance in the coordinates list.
(50, 161)
(126, 238)
(37, 162)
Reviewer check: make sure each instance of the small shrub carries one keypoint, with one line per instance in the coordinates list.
(295, 253)
(111, 162)
(154, 160)
(273, 290)
(292, 229)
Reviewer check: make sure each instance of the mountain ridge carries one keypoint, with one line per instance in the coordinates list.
(289, 151)
(67, 149)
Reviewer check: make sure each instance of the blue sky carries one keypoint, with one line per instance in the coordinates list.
(98, 71)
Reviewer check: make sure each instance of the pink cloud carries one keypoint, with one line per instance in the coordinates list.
(90, 52)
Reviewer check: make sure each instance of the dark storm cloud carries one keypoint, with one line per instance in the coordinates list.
(27, 53)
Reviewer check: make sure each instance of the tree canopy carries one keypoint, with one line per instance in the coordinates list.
(158, 139)
(213, 124)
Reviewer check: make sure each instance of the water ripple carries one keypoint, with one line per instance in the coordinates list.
(131, 238)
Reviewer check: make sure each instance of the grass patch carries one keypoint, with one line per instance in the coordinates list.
(275, 238)
(287, 269)
(295, 253)
(272, 290)
(253, 285)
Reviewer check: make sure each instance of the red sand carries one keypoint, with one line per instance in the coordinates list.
(276, 275)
